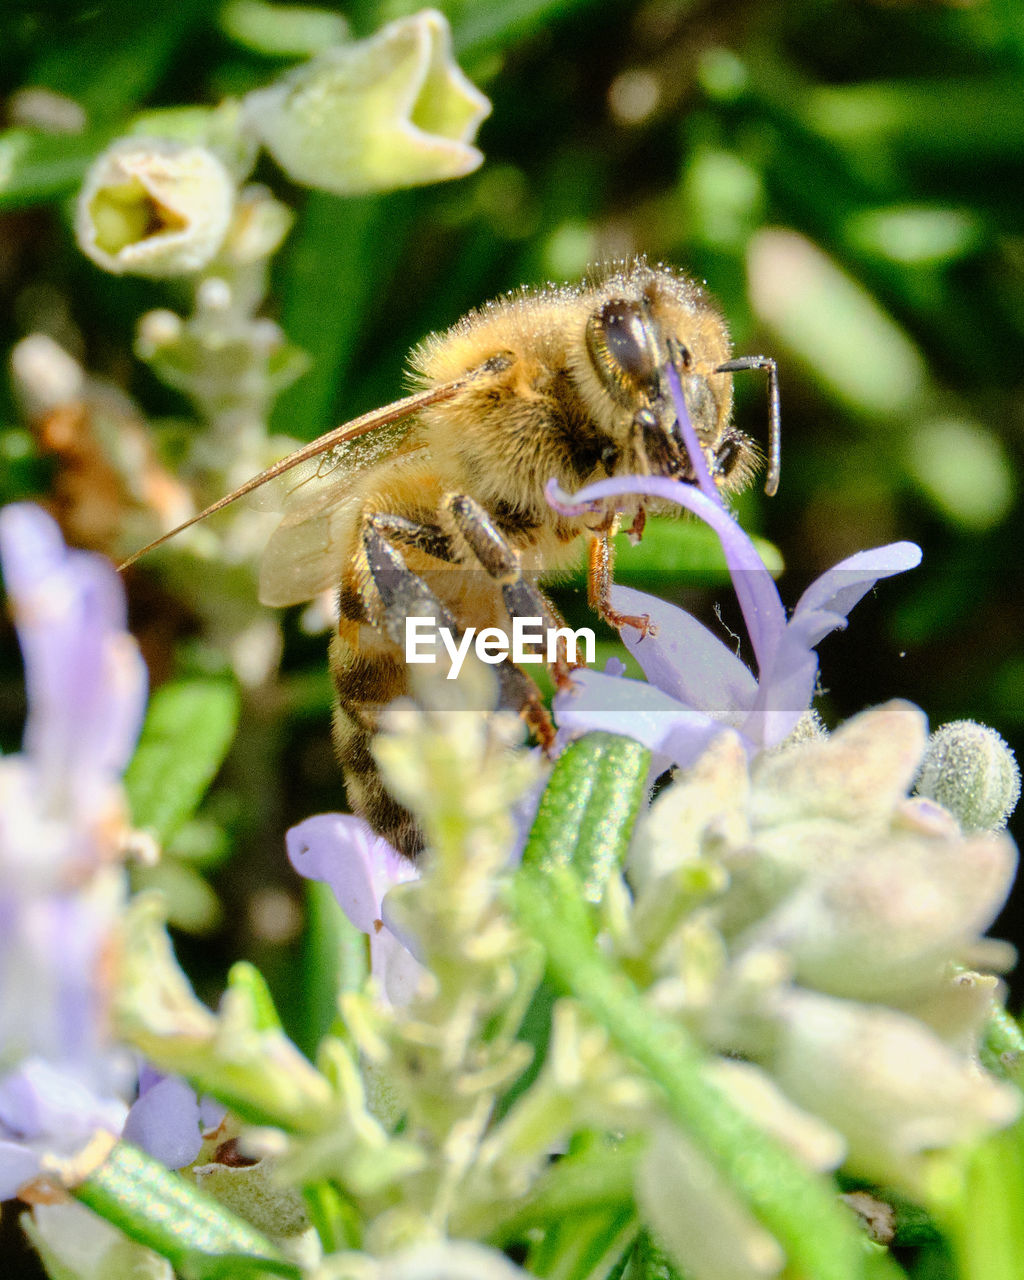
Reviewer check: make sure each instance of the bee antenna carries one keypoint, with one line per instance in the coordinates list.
(741, 365)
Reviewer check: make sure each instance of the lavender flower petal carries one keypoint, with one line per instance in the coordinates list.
(697, 673)
(787, 687)
(37, 1099)
(360, 867)
(636, 710)
(86, 680)
(47, 1111)
(62, 823)
(848, 582)
(346, 854)
(755, 590)
(18, 1165)
(692, 441)
(683, 658)
(165, 1122)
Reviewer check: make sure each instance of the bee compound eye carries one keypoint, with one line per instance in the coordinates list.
(623, 346)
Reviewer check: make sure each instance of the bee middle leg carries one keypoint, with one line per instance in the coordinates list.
(501, 562)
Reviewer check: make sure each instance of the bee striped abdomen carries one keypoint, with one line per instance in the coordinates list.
(366, 679)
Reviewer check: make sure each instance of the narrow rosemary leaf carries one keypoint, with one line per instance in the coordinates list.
(583, 1247)
(800, 1209)
(986, 1224)
(158, 1208)
(588, 809)
(1002, 1049)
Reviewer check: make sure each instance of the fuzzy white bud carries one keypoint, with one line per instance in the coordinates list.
(970, 771)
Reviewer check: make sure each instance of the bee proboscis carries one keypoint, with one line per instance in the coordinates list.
(566, 383)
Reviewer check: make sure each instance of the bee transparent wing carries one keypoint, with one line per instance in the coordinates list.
(328, 455)
(302, 557)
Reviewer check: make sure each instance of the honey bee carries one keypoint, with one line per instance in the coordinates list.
(435, 505)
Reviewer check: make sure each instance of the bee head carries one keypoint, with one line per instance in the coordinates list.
(629, 349)
(622, 342)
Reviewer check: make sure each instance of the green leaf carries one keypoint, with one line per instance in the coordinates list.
(336, 1222)
(583, 1247)
(188, 730)
(335, 958)
(256, 1004)
(282, 31)
(588, 809)
(38, 166)
(600, 1178)
(797, 1207)
(681, 550)
(484, 26)
(158, 1208)
(985, 1224)
(192, 905)
(324, 312)
(120, 55)
(1002, 1049)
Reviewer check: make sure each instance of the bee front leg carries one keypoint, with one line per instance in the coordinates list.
(599, 587)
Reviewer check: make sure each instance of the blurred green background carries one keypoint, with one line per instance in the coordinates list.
(847, 176)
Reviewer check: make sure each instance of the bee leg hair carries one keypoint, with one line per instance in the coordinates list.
(403, 594)
(599, 588)
(501, 562)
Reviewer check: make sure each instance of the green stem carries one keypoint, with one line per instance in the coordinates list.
(797, 1207)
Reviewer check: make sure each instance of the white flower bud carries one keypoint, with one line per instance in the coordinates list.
(45, 376)
(753, 1092)
(154, 207)
(73, 1241)
(707, 803)
(161, 328)
(391, 111)
(259, 226)
(970, 770)
(858, 774)
(884, 924)
(886, 1082)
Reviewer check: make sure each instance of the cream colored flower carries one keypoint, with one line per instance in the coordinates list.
(154, 207)
(391, 111)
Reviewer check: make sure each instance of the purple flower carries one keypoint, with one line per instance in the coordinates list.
(62, 815)
(360, 867)
(63, 823)
(168, 1120)
(697, 684)
(45, 1111)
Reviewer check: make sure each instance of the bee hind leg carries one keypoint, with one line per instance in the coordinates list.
(404, 594)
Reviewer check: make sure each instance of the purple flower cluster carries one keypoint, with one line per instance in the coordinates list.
(63, 833)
